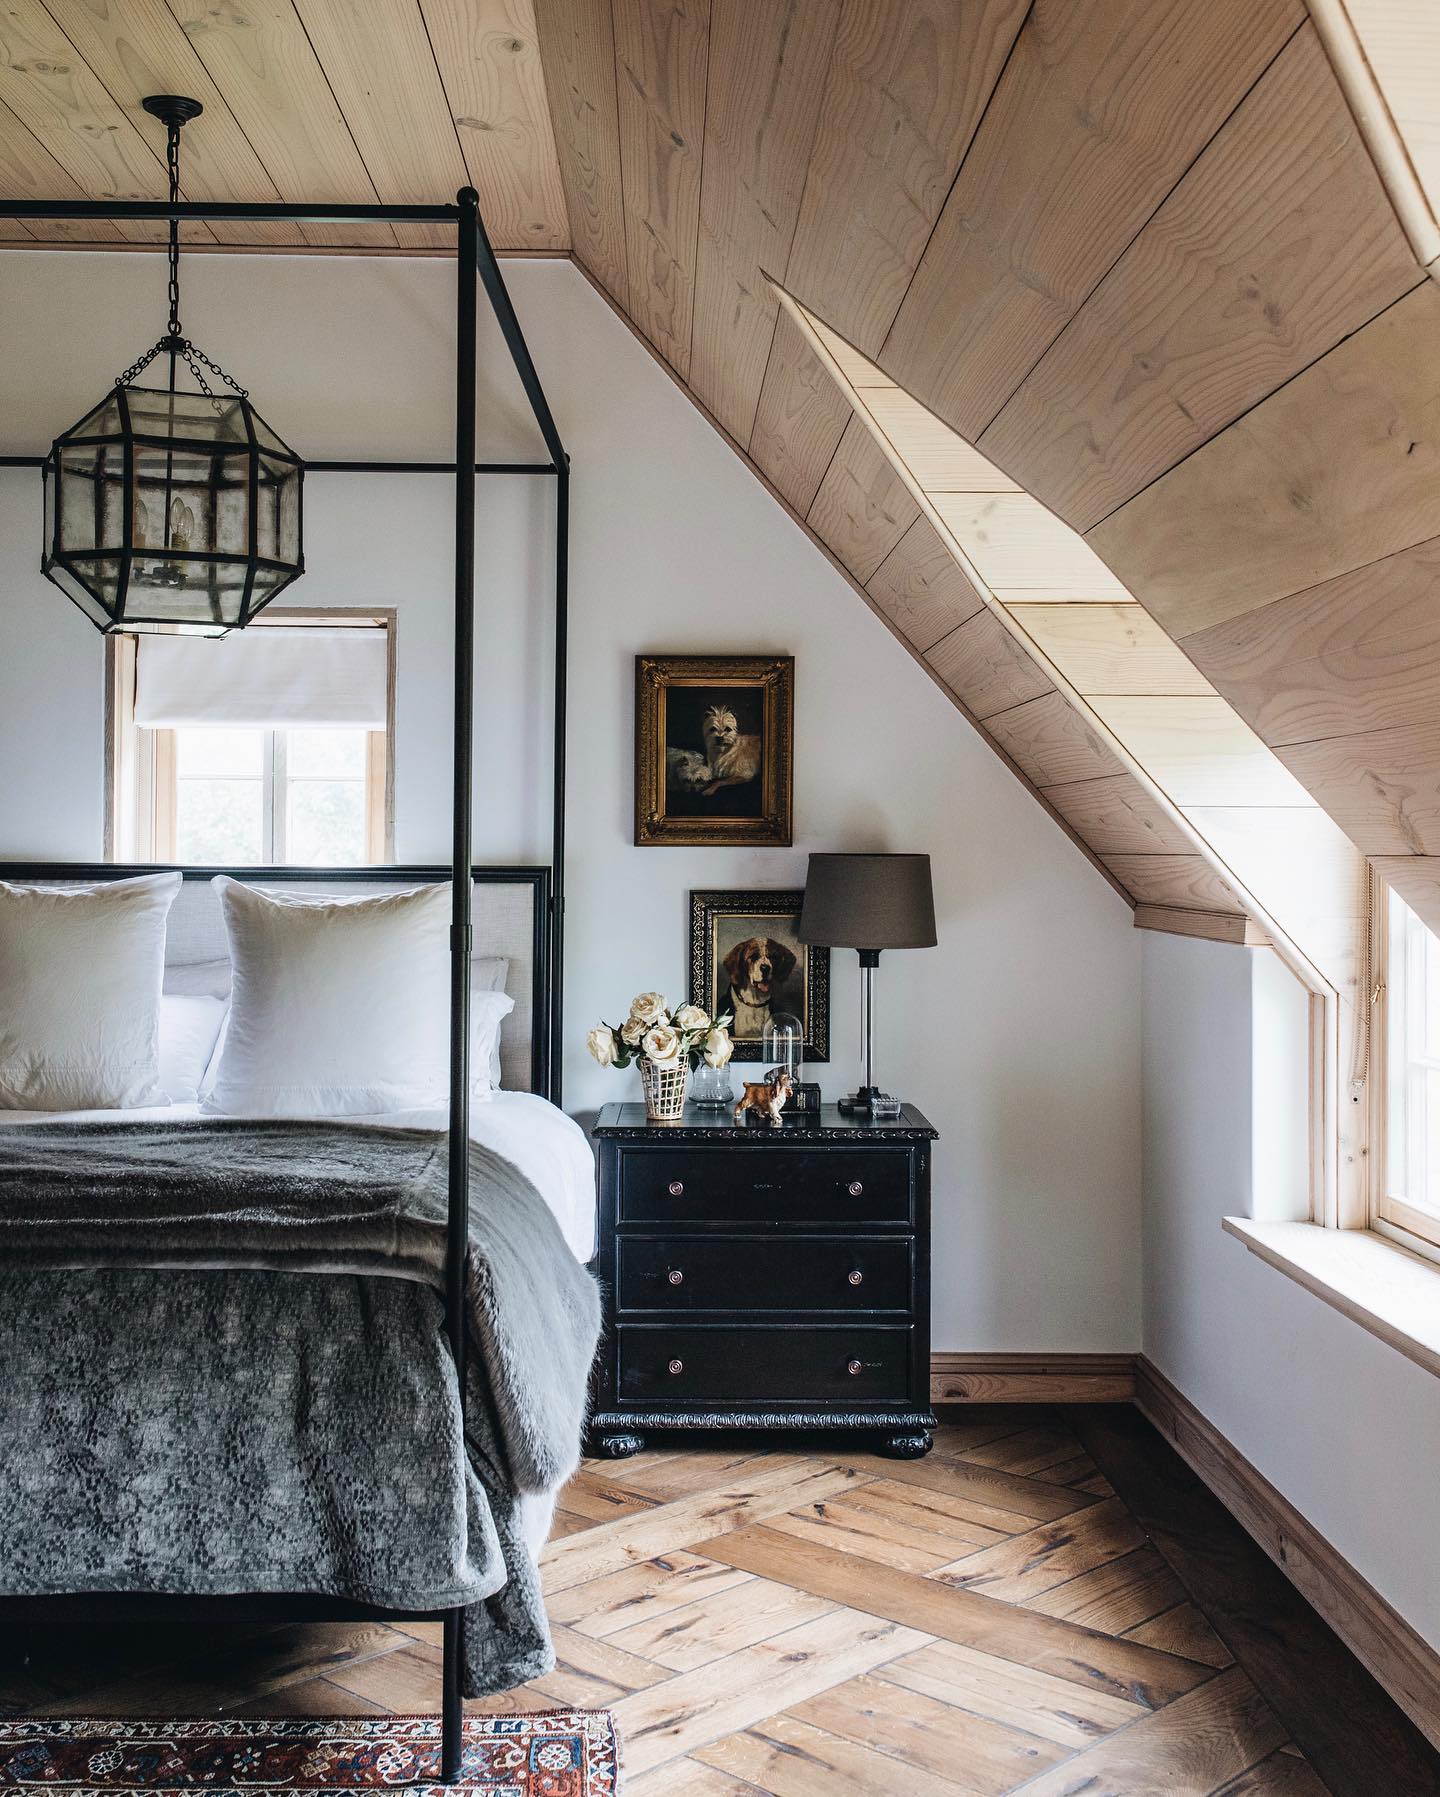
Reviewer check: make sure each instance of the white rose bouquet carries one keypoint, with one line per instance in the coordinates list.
(652, 1033)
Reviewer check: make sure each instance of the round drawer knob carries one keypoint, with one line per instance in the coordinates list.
(676, 1188)
(675, 1276)
(857, 1277)
(855, 1188)
(853, 1368)
(678, 1366)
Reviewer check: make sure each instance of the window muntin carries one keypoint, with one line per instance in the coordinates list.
(284, 797)
(1408, 1194)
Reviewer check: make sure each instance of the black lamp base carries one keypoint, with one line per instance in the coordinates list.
(860, 1103)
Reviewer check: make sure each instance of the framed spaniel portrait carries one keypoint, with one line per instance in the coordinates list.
(713, 750)
(746, 957)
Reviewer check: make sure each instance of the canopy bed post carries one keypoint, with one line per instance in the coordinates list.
(557, 834)
(499, 297)
(457, 1246)
(475, 257)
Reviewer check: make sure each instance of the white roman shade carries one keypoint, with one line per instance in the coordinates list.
(277, 676)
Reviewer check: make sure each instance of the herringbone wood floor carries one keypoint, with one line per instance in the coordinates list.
(988, 1620)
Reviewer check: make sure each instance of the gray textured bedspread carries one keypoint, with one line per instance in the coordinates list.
(223, 1368)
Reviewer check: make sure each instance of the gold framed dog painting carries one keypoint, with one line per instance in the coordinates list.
(713, 750)
(746, 957)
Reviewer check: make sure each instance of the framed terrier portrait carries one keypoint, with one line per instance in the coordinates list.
(746, 957)
(713, 748)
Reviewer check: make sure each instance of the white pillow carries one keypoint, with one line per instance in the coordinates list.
(198, 979)
(488, 973)
(339, 1006)
(80, 973)
(189, 1029)
(488, 1010)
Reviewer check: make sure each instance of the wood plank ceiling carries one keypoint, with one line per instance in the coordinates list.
(1136, 251)
(1093, 237)
(402, 101)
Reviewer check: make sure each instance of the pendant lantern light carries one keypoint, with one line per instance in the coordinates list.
(172, 510)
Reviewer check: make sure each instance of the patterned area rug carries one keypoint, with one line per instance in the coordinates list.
(567, 1753)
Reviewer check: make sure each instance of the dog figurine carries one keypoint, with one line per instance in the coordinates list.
(731, 757)
(766, 1097)
(754, 968)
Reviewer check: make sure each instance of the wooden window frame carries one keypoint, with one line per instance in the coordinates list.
(1390, 1217)
(140, 771)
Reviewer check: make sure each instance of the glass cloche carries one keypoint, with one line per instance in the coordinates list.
(783, 1045)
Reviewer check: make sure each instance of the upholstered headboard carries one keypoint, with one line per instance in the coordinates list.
(511, 914)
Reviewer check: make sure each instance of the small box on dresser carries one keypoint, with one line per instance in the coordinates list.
(770, 1279)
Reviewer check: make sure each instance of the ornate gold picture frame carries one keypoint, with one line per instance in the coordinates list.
(714, 739)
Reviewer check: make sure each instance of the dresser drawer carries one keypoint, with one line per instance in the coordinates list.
(756, 1366)
(759, 1273)
(751, 1185)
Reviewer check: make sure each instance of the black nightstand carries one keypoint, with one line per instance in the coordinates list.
(761, 1278)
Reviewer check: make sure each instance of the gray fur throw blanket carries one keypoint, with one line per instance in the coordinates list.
(225, 1371)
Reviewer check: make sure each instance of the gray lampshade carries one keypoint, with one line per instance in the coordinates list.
(869, 901)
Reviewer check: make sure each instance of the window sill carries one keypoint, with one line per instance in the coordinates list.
(1377, 1284)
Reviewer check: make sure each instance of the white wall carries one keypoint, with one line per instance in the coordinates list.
(1018, 1035)
(1345, 1427)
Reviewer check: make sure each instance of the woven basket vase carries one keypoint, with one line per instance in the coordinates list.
(664, 1090)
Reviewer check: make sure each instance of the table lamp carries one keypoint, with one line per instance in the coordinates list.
(868, 902)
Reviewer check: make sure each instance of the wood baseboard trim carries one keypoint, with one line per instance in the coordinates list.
(1032, 1378)
(1379, 1637)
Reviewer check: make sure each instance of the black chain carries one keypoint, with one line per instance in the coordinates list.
(172, 164)
(175, 342)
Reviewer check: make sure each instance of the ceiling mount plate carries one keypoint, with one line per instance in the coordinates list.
(172, 109)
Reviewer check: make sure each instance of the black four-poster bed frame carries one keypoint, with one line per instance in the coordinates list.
(474, 261)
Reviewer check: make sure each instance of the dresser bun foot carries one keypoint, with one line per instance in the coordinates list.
(617, 1444)
(911, 1444)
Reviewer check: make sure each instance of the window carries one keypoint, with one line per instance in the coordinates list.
(269, 752)
(1407, 1196)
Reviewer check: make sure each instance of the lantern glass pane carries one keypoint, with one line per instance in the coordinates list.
(92, 491)
(188, 417)
(267, 438)
(97, 577)
(277, 506)
(103, 421)
(179, 589)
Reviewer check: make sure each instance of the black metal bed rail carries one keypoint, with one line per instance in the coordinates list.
(239, 211)
(345, 467)
(474, 258)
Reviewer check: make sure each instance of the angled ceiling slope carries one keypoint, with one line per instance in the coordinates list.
(1138, 252)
